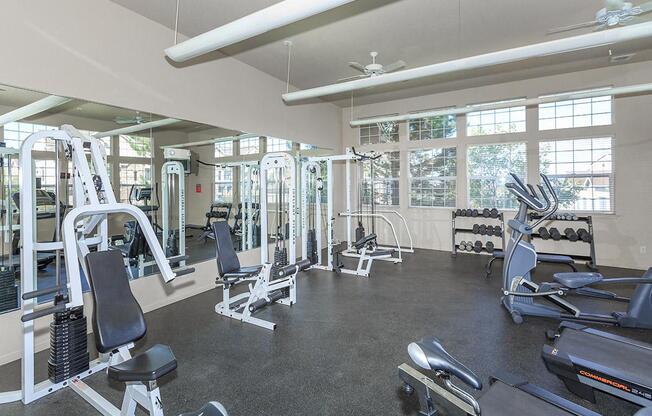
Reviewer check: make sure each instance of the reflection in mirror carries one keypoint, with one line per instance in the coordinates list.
(183, 175)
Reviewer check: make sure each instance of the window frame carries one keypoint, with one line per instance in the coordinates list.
(396, 179)
(509, 109)
(396, 133)
(613, 175)
(445, 178)
(431, 139)
(572, 105)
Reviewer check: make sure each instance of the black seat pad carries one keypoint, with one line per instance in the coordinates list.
(209, 409)
(555, 258)
(380, 253)
(438, 359)
(577, 279)
(364, 240)
(147, 366)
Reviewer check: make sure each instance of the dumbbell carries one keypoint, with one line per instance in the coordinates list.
(584, 235)
(477, 247)
(486, 213)
(571, 234)
(490, 230)
(458, 213)
(490, 246)
(494, 213)
(474, 212)
(476, 229)
(463, 213)
(483, 229)
(574, 217)
(555, 234)
(498, 231)
(469, 246)
(543, 233)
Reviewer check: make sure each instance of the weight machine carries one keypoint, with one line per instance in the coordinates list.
(173, 184)
(272, 281)
(84, 228)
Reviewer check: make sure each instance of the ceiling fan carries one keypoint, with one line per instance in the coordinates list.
(137, 119)
(615, 13)
(373, 69)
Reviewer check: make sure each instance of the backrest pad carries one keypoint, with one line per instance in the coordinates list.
(227, 259)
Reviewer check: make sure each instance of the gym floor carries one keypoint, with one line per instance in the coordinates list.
(336, 351)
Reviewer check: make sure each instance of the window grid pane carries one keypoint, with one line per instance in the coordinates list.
(385, 180)
(379, 133)
(489, 167)
(135, 146)
(223, 149)
(433, 177)
(278, 145)
(498, 121)
(581, 171)
(223, 184)
(440, 127)
(133, 174)
(585, 112)
(250, 146)
(16, 132)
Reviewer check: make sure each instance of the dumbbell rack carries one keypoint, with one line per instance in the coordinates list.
(589, 259)
(464, 230)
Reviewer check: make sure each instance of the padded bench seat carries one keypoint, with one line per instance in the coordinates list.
(380, 253)
(147, 366)
(578, 279)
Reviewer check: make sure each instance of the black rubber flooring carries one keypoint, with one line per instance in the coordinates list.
(336, 351)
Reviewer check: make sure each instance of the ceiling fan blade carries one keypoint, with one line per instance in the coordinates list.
(571, 27)
(614, 4)
(352, 78)
(394, 67)
(357, 66)
(645, 7)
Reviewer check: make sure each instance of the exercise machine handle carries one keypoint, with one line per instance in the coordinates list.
(364, 156)
(293, 268)
(43, 312)
(41, 292)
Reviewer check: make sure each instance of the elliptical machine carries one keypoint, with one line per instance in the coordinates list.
(520, 292)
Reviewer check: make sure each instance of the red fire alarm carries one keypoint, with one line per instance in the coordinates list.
(198, 188)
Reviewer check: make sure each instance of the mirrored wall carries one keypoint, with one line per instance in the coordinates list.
(183, 175)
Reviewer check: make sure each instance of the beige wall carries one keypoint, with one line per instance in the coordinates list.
(620, 235)
(63, 48)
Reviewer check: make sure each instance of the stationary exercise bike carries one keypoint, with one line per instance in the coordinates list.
(520, 292)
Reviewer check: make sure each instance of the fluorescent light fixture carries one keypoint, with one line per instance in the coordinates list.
(590, 40)
(137, 127)
(29, 110)
(632, 89)
(211, 141)
(272, 17)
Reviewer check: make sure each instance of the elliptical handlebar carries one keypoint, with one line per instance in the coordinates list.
(536, 198)
(364, 156)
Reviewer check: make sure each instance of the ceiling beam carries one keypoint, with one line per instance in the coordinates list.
(632, 89)
(34, 108)
(262, 21)
(137, 127)
(554, 47)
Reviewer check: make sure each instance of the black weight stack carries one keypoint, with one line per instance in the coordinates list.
(68, 345)
(8, 290)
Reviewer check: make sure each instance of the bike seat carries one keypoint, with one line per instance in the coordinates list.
(577, 279)
(209, 409)
(429, 354)
(147, 366)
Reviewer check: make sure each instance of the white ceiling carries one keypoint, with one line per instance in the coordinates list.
(418, 31)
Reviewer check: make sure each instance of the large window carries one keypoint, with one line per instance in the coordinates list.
(439, 127)
(278, 145)
(498, 121)
(379, 133)
(15, 133)
(489, 167)
(380, 179)
(133, 174)
(45, 174)
(250, 146)
(223, 184)
(581, 171)
(135, 146)
(585, 112)
(433, 177)
(223, 149)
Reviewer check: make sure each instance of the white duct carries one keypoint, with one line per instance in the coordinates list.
(29, 110)
(591, 40)
(272, 17)
(632, 89)
(137, 127)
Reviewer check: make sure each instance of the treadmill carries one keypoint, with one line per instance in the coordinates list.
(586, 359)
(506, 396)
